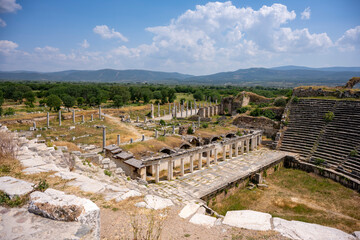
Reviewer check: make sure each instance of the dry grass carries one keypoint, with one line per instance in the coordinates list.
(297, 195)
(71, 146)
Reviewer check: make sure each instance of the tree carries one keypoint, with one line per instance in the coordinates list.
(171, 95)
(198, 95)
(164, 94)
(30, 98)
(68, 101)
(157, 95)
(54, 102)
(280, 102)
(80, 101)
(118, 101)
(146, 95)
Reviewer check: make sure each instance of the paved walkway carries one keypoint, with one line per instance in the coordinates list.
(200, 183)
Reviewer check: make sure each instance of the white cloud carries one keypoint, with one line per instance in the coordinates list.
(350, 40)
(305, 15)
(106, 33)
(85, 44)
(9, 6)
(7, 47)
(2, 23)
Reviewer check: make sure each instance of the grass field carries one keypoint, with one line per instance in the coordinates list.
(297, 195)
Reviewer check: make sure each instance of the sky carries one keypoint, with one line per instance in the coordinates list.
(186, 36)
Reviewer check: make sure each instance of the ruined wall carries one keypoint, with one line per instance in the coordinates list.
(326, 92)
(269, 126)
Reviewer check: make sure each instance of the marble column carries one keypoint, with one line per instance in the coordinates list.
(83, 119)
(59, 117)
(92, 117)
(47, 120)
(208, 159)
(200, 161)
(104, 138)
(157, 173)
(191, 163)
(169, 177)
(215, 155)
(231, 151)
(152, 111)
(247, 146)
(118, 140)
(224, 152)
(237, 149)
(182, 167)
(170, 108)
(242, 147)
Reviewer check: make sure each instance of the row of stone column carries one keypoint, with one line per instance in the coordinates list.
(241, 146)
(209, 111)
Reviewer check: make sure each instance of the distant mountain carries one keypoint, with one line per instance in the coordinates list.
(103, 75)
(333, 69)
(285, 76)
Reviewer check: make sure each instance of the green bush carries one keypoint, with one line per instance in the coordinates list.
(205, 125)
(239, 133)
(162, 122)
(107, 173)
(280, 102)
(269, 114)
(256, 112)
(295, 99)
(262, 105)
(329, 116)
(242, 110)
(190, 130)
(353, 153)
(42, 186)
(14, 202)
(319, 161)
(9, 111)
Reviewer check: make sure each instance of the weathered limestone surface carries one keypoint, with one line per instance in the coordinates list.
(189, 210)
(308, 231)
(201, 219)
(248, 219)
(57, 205)
(15, 187)
(357, 234)
(131, 193)
(155, 202)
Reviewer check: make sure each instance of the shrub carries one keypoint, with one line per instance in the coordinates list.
(42, 186)
(295, 99)
(256, 112)
(280, 102)
(329, 116)
(107, 173)
(190, 130)
(205, 125)
(239, 133)
(9, 111)
(353, 153)
(269, 114)
(15, 202)
(242, 110)
(162, 122)
(319, 161)
(261, 105)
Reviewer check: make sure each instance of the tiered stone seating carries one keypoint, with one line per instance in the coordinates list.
(305, 124)
(309, 135)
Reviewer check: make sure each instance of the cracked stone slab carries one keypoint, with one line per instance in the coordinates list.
(204, 220)
(15, 187)
(248, 219)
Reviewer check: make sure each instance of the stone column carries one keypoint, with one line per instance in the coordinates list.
(173, 129)
(157, 172)
(99, 112)
(158, 109)
(47, 120)
(252, 144)
(231, 151)
(92, 117)
(195, 108)
(145, 119)
(242, 147)
(152, 111)
(200, 161)
(164, 113)
(199, 121)
(191, 109)
(83, 119)
(59, 117)
(182, 167)
(224, 152)
(104, 138)
(143, 137)
(118, 140)
(175, 111)
(170, 108)
(237, 149)
(156, 133)
(137, 119)
(215, 155)
(73, 116)
(247, 146)
(191, 163)
(131, 140)
(259, 140)
(169, 176)
(34, 125)
(181, 110)
(208, 158)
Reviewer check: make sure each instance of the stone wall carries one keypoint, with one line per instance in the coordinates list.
(268, 126)
(326, 92)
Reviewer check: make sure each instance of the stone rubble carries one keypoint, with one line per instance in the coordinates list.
(189, 210)
(15, 187)
(248, 219)
(205, 220)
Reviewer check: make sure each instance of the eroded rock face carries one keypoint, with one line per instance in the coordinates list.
(57, 205)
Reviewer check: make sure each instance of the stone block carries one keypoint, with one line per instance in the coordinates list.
(15, 187)
(155, 202)
(59, 206)
(248, 219)
(204, 220)
(189, 210)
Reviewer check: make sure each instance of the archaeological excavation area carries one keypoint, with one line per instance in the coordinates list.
(237, 166)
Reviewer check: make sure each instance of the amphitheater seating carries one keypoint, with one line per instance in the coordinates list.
(328, 143)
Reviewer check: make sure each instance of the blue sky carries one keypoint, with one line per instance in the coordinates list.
(195, 37)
